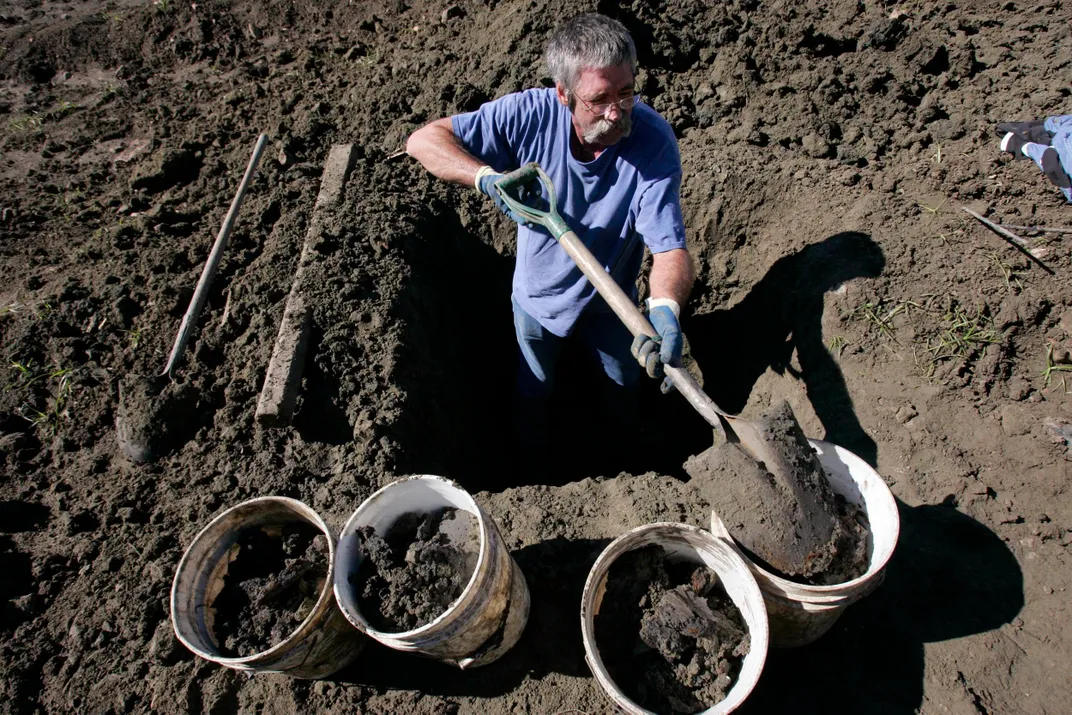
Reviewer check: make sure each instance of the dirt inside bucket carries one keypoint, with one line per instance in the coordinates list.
(669, 635)
(272, 584)
(792, 523)
(417, 569)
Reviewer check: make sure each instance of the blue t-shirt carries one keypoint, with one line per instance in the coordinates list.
(630, 190)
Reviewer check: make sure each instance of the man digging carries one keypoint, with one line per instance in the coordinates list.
(615, 165)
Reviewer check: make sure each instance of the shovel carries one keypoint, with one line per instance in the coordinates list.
(146, 404)
(747, 434)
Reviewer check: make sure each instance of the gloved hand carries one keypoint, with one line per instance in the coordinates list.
(485, 184)
(654, 353)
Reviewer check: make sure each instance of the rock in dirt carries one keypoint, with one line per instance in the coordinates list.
(792, 522)
(413, 573)
(670, 636)
(272, 584)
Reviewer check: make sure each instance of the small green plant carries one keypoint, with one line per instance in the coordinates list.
(837, 345)
(936, 157)
(877, 316)
(962, 336)
(114, 18)
(1009, 274)
(50, 419)
(1052, 367)
(133, 338)
(932, 209)
(162, 5)
(28, 123)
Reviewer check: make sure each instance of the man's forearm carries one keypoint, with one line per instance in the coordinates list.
(672, 275)
(439, 151)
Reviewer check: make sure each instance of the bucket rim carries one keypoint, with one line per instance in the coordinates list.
(759, 635)
(350, 609)
(249, 662)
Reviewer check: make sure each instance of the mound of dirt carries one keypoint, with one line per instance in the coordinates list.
(669, 635)
(413, 573)
(272, 583)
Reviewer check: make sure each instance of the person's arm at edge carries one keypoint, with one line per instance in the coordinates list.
(439, 151)
(672, 275)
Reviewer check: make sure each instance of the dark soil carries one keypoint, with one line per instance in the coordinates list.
(668, 633)
(789, 518)
(272, 583)
(835, 270)
(415, 571)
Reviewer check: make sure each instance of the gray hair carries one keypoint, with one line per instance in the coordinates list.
(588, 41)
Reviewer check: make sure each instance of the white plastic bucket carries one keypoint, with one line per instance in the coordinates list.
(321, 645)
(690, 544)
(489, 616)
(799, 613)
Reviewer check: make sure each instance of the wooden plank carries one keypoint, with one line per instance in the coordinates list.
(282, 382)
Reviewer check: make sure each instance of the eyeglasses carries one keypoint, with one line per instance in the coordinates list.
(603, 108)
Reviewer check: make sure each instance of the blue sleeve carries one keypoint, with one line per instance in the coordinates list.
(659, 220)
(493, 132)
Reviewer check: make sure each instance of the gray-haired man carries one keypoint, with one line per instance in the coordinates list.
(614, 163)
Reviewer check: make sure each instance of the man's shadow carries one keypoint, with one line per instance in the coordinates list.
(783, 312)
(950, 577)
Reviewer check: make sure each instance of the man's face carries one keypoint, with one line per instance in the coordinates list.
(594, 88)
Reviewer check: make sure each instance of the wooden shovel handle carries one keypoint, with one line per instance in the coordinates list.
(629, 314)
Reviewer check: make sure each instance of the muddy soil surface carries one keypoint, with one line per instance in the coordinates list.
(271, 586)
(827, 149)
(789, 517)
(668, 633)
(412, 574)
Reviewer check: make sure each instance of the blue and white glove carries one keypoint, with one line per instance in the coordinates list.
(485, 184)
(654, 353)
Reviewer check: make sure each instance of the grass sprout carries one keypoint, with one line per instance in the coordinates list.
(962, 335)
(1052, 367)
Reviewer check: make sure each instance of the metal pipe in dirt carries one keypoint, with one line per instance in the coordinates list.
(201, 292)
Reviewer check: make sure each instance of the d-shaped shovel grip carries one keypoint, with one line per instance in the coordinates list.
(512, 189)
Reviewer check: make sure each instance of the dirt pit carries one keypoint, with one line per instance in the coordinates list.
(789, 518)
(417, 569)
(669, 634)
(272, 583)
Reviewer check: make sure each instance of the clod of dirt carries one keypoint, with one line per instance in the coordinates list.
(413, 573)
(154, 415)
(792, 522)
(669, 635)
(272, 583)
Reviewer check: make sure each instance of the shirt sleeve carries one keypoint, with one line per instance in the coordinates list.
(492, 132)
(659, 220)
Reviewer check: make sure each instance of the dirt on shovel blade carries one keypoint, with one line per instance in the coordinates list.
(669, 635)
(271, 586)
(414, 572)
(792, 523)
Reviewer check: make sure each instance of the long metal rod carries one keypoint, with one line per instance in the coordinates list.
(1014, 240)
(1042, 229)
(201, 292)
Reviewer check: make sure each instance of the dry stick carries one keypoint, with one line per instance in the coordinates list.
(201, 292)
(1012, 238)
(1042, 229)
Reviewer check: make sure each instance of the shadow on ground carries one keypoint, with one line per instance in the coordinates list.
(950, 577)
(783, 312)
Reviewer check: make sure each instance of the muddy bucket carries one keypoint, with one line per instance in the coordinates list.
(322, 644)
(693, 545)
(799, 613)
(487, 618)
